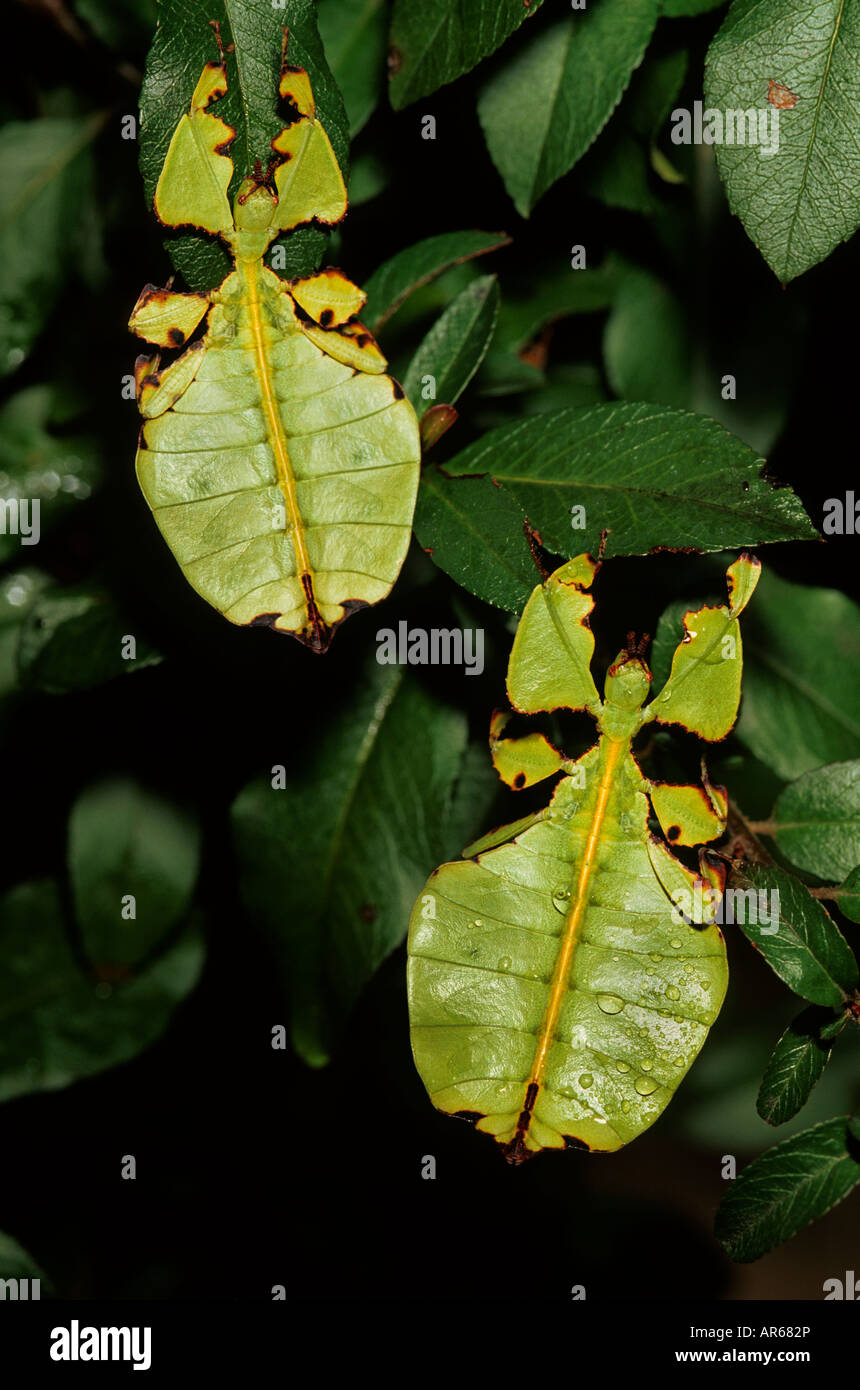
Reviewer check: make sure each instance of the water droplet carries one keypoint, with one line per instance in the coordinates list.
(676, 945)
(680, 1062)
(609, 1003)
(655, 956)
(477, 922)
(625, 1106)
(504, 963)
(561, 899)
(622, 1066)
(646, 1065)
(706, 984)
(645, 1085)
(586, 1079)
(673, 993)
(650, 970)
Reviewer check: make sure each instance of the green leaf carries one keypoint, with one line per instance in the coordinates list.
(817, 820)
(432, 45)
(73, 638)
(18, 1263)
(18, 592)
(454, 348)
(645, 342)
(807, 950)
(125, 841)
(681, 9)
(410, 269)
(46, 173)
(60, 1023)
(58, 471)
(118, 23)
(354, 35)
(542, 110)
(618, 170)
(801, 703)
(330, 866)
(800, 201)
(473, 531)
(797, 1063)
(849, 896)
(651, 476)
(552, 297)
(786, 1187)
(182, 44)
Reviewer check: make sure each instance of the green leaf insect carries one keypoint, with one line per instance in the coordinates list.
(278, 459)
(563, 976)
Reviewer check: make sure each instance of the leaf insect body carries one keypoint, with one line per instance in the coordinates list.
(279, 460)
(555, 999)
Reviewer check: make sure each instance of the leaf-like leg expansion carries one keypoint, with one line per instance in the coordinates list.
(689, 815)
(329, 298)
(693, 896)
(192, 186)
(351, 344)
(166, 317)
(551, 656)
(711, 651)
(521, 762)
(158, 390)
(309, 182)
(502, 834)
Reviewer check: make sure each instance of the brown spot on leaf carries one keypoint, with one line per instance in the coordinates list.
(783, 98)
(326, 318)
(519, 780)
(395, 60)
(176, 336)
(368, 913)
(673, 832)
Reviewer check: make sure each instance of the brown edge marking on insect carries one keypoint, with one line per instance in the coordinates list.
(322, 634)
(571, 1142)
(516, 1150)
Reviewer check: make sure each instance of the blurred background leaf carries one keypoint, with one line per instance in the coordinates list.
(133, 861)
(330, 864)
(62, 1023)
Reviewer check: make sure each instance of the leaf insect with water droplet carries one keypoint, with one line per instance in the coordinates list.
(279, 460)
(573, 965)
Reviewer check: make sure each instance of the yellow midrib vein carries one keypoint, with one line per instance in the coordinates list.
(286, 477)
(558, 986)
